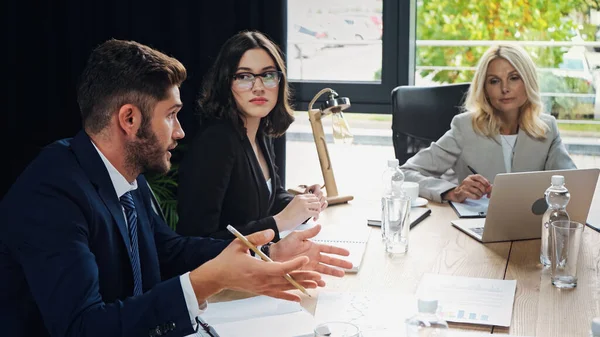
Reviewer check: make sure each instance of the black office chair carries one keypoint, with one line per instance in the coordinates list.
(421, 115)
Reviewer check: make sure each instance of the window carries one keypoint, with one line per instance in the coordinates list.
(351, 46)
(559, 38)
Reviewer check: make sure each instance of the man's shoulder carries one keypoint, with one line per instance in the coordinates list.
(55, 165)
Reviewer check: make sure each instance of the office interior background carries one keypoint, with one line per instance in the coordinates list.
(361, 48)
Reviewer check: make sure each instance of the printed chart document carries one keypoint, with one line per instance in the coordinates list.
(259, 316)
(469, 299)
(471, 208)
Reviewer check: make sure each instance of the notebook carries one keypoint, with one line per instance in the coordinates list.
(471, 208)
(354, 240)
(417, 214)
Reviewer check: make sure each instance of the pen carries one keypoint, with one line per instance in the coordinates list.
(472, 169)
(264, 257)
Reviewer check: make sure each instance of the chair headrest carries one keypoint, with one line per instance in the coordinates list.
(426, 112)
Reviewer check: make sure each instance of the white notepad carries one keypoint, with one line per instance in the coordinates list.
(354, 240)
(471, 208)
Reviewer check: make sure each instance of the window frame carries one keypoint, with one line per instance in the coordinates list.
(398, 64)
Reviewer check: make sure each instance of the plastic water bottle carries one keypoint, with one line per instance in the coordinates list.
(557, 197)
(426, 323)
(595, 332)
(392, 179)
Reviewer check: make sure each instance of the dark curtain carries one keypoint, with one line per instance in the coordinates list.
(48, 44)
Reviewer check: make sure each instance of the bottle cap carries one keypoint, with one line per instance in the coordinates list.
(596, 326)
(558, 180)
(427, 306)
(393, 162)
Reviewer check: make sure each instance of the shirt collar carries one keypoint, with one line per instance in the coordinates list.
(119, 182)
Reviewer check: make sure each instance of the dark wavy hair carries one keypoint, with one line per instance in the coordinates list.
(216, 100)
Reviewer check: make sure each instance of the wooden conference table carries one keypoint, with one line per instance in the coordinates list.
(435, 246)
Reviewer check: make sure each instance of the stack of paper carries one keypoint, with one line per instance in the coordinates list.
(259, 316)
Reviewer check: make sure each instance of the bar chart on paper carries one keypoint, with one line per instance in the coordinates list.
(469, 299)
(452, 314)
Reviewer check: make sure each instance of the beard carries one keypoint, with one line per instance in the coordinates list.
(145, 154)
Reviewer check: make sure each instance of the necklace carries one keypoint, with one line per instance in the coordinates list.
(512, 148)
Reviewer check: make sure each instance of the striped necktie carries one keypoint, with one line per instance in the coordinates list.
(131, 214)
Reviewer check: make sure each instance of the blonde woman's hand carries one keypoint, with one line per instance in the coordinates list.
(474, 186)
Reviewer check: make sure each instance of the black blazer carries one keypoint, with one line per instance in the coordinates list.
(64, 245)
(221, 183)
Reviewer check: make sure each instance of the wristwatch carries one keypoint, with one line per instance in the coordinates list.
(266, 249)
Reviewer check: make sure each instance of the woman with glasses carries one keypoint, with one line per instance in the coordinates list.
(228, 175)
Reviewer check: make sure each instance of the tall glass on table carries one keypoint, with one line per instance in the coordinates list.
(566, 238)
(395, 221)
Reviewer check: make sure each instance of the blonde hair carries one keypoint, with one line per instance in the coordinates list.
(486, 120)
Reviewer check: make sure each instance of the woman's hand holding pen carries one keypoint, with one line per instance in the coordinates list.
(234, 268)
(474, 186)
(316, 191)
(302, 207)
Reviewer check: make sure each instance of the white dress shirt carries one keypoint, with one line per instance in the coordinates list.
(122, 186)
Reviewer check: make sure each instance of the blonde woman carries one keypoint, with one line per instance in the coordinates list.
(501, 130)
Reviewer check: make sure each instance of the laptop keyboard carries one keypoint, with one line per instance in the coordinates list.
(477, 230)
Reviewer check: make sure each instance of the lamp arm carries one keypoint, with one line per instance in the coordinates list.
(324, 90)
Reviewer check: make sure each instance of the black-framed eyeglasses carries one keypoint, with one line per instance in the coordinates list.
(245, 80)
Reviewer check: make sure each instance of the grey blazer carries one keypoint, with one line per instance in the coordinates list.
(461, 146)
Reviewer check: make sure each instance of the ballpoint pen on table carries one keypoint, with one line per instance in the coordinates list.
(264, 257)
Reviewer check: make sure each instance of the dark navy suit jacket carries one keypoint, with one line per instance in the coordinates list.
(64, 264)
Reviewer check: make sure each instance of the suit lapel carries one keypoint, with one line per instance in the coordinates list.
(495, 157)
(96, 170)
(259, 178)
(522, 150)
(270, 162)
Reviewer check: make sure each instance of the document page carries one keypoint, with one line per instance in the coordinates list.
(377, 314)
(471, 208)
(259, 316)
(469, 299)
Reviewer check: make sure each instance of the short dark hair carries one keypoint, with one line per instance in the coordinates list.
(121, 72)
(217, 101)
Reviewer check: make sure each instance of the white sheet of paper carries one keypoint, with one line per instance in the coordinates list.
(470, 299)
(259, 316)
(475, 334)
(377, 314)
(472, 207)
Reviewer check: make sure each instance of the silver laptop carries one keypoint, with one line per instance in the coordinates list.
(517, 204)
